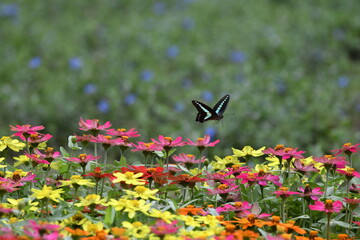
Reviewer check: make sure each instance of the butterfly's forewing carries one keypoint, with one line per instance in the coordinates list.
(204, 112)
(221, 105)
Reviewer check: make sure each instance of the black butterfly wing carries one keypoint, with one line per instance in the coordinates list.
(204, 112)
(221, 105)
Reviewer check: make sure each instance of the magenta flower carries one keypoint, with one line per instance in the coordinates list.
(331, 162)
(107, 141)
(353, 202)
(260, 178)
(35, 159)
(223, 189)
(93, 125)
(49, 154)
(284, 153)
(161, 228)
(234, 207)
(203, 143)
(355, 188)
(302, 168)
(36, 138)
(349, 173)
(7, 185)
(187, 159)
(42, 230)
(328, 207)
(29, 177)
(25, 130)
(122, 132)
(146, 147)
(309, 193)
(83, 158)
(347, 148)
(167, 142)
(284, 192)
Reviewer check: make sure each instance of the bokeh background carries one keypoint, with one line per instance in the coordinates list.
(291, 68)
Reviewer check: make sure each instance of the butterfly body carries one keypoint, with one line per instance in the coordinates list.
(206, 113)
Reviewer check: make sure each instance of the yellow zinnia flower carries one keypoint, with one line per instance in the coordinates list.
(22, 159)
(13, 144)
(247, 152)
(136, 229)
(91, 199)
(166, 215)
(129, 178)
(47, 193)
(143, 192)
(76, 181)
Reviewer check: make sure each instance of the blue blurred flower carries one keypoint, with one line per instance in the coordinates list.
(90, 88)
(281, 87)
(130, 99)
(338, 34)
(75, 63)
(237, 57)
(172, 52)
(103, 106)
(186, 83)
(9, 10)
(179, 107)
(343, 82)
(211, 131)
(147, 75)
(35, 62)
(239, 77)
(188, 23)
(159, 8)
(207, 96)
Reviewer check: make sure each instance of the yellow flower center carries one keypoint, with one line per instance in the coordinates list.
(287, 149)
(285, 189)
(328, 204)
(137, 224)
(200, 139)
(91, 197)
(140, 189)
(108, 137)
(251, 176)
(135, 203)
(279, 147)
(350, 170)
(121, 130)
(347, 145)
(275, 219)
(190, 206)
(223, 186)
(49, 151)
(148, 145)
(76, 177)
(34, 136)
(82, 157)
(189, 155)
(169, 139)
(328, 156)
(238, 204)
(129, 175)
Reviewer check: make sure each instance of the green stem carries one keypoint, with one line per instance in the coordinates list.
(328, 226)
(283, 214)
(326, 183)
(200, 155)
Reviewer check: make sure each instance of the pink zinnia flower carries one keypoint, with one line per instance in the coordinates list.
(353, 202)
(260, 178)
(146, 147)
(328, 207)
(107, 141)
(284, 192)
(309, 193)
(42, 230)
(223, 189)
(49, 154)
(188, 159)
(16, 178)
(161, 228)
(83, 158)
(122, 132)
(35, 159)
(302, 168)
(349, 173)
(203, 143)
(7, 185)
(347, 148)
(331, 162)
(285, 153)
(167, 142)
(36, 138)
(25, 130)
(234, 207)
(93, 125)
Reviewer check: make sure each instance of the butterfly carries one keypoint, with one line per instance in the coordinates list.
(206, 113)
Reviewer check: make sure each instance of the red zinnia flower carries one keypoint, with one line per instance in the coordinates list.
(191, 210)
(186, 180)
(328, 207)
(97, 174)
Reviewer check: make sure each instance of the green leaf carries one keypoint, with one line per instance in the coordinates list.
(342, 224)
(109, 216)
(122, 162)
(64, 153)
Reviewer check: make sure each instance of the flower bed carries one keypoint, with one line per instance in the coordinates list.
(269, 193)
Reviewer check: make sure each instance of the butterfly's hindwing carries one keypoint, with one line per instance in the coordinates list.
(221, 105)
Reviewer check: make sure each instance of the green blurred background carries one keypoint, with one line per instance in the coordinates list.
(291, 68)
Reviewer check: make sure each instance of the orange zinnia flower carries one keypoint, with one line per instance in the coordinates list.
(190, 210)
